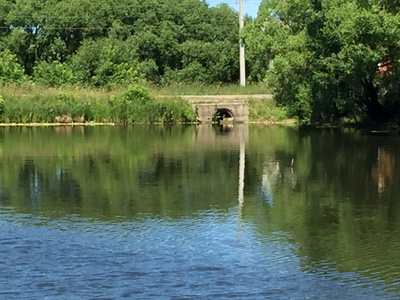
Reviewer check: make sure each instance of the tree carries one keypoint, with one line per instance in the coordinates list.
(105, 61)
(326, 55)
(106, 41)
(10, 70)
(54, 73)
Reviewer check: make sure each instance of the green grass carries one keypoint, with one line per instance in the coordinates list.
(266, 111)
(198, 89)
(34, 103)
(32, 90)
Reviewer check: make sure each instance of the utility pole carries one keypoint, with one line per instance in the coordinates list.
(241, 47)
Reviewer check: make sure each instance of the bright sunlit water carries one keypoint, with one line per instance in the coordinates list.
(174, 213)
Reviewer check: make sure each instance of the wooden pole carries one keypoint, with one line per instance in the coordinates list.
(241, 49)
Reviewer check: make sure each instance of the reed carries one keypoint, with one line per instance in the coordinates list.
(215, 89)
(35, 103)
(31, 103)
(32, 90)
(266, 111)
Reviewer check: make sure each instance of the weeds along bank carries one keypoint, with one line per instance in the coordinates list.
(132, 105)
(32, 103)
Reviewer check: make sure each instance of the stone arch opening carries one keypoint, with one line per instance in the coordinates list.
(223, 115)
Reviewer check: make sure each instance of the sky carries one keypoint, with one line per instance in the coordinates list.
(250, 7)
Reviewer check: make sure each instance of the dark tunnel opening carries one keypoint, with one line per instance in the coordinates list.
(223, 114)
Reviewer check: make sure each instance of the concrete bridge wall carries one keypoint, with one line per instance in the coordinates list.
(238, 111)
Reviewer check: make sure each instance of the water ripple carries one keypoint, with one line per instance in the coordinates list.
(184, 259)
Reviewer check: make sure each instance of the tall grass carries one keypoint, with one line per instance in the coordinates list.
(198, 89)
(31, 103)
(35, 103)
(266, 110)
(32, 90)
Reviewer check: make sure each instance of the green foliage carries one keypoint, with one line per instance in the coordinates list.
(105, 62)
(53, 74)
(132, 106)
(266, 110)
(149, 70)
(136, 106)
(137, 94)
(10, 70)
(212, 89)
(68, 104)
(205, 63)
(325, 57)
(2, 102)
(173, 111)
(113, 43)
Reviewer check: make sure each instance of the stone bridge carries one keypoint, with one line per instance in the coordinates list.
(223, 108)
(225, 112)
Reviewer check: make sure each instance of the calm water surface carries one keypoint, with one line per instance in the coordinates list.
(198, 213)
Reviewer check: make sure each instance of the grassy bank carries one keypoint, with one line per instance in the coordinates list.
(37, 104)
(32, 91)
(30, 103)
(198, 89)
(266, 111)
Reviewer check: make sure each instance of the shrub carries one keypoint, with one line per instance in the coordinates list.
(2, 103)
(10, 70)
(173, 111)
(105, 62)
(265, 110)
(53, 74)
(133, 106)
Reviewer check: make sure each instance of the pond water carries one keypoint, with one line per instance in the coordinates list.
(198, 212)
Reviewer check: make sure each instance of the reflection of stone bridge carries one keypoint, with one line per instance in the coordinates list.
(231, 108)
(224, 136)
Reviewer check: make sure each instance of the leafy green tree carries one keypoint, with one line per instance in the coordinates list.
(108, 42)
(10, 70)
(54, 73)
(185, 38)
(5, 6)
(28, 19)
(206, 63)
(104, 62)
(326, 55)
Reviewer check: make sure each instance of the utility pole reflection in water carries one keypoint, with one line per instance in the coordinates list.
(241, 176)
(226, 137)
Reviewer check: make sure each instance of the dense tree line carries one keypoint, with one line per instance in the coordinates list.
(326, 57)
(115, 42)
(325, 61)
